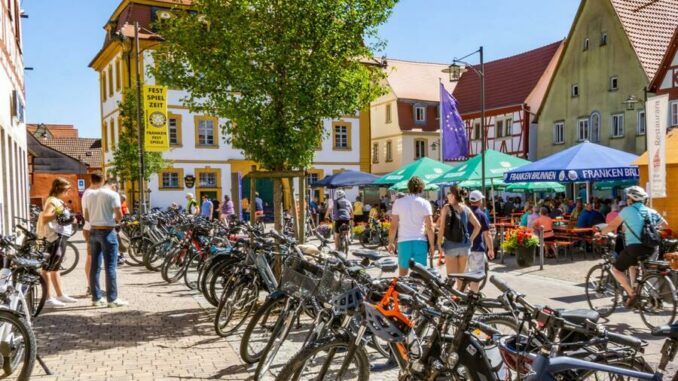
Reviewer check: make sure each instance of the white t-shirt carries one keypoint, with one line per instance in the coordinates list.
(87, 191)
(411, 211)
(100, 204)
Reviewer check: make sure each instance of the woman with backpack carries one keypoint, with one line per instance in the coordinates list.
(453, 236)
(55, 225)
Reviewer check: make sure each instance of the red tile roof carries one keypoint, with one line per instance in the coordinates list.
(508, 81)
(56, 130)
(86, 150)
(649, 24)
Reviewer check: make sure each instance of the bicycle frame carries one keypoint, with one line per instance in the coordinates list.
(544, 368)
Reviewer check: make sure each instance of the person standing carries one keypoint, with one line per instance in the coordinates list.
(227, 209)
(191, 205)
(342, 214)
(55, 226)
(206, 208)
(412, 224)
(453, 236)
(96, 182)
(103, 212)
(358, 210)
(482, 247)
(123, 205)
(258, 207)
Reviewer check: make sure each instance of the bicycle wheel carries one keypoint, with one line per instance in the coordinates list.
(135, 252)
(602, 291)
(323, 359)
(192, 271)
(235, 306)
(70, 259)
(18, 348)
(657, 302)
(36, 295)
(174, 265)
(370, 239)
(155, 255)
(258, 331)
(505, 324)
(279, 333)
(217, 283)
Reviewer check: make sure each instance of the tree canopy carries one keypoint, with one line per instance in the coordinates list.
(274, 68)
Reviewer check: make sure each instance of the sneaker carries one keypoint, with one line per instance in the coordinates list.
(66, 299)
(88, 292)
(53, 303)
(99, 303)
(117, 303)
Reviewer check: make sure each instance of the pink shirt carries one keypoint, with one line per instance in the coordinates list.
(545, 222)
(611, 216)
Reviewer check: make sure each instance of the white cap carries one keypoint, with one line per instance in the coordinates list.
(476, 196)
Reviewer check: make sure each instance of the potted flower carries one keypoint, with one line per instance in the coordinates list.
(523, 243)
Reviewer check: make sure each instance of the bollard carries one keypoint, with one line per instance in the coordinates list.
(541, 249)
(501, 240)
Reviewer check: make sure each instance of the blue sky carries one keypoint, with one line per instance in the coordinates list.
(61, 38)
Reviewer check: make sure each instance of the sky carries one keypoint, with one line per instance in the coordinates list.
(62, 37)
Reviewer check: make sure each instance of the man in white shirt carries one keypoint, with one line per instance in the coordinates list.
(411, 220)
(96, 181)
(102, 211)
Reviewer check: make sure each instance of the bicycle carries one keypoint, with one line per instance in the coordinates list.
(374, 236)
(656, 293)
(344, 238)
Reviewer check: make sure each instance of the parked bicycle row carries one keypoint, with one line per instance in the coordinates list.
(307, 312)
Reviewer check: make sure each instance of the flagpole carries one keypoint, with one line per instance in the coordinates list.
(440, 120)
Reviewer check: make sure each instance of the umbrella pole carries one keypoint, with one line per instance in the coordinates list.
(494, 212)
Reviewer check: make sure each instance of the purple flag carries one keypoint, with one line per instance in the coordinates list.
(455, 142)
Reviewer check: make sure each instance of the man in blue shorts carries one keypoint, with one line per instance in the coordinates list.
(411, 221)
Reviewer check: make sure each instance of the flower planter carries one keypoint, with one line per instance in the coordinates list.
(525, 256)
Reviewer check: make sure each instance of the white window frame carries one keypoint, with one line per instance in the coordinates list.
(617, 125)
(341, 136)
(419, 145)
(176, 131)
(614, 83)
(422, 110)
(574, 87)
(476, 131)
(375, 153)
(673, 113)
(594, 133)
(559, 133)
(389, 151)
(205, 132)
(169, 177)
(641, 126)
(583, 131)
(508, 127)
(498, 131)
(208, 176)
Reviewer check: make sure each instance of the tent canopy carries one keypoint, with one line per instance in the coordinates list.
(581, 163)
(496, 164)
(426, 168)
(536, 187)
(346, 179)
(402, 186)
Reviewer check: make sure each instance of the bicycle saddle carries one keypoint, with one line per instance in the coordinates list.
(372, 255)
(476, 276)
(579, 316)
(433, 272)
(670, 331)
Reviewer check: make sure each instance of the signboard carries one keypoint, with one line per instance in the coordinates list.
(156, 135)
(81, 185)
(656, 113)
(189, 181)
(571, 176)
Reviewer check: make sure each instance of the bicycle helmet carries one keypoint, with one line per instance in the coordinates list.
(340, 194)
(636, 193)
(385, 319)
(348, 301)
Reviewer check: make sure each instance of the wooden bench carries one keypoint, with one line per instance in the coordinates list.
(558, 245)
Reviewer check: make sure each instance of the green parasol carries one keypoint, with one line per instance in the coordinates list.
(496, 164)
(536, 187)
(402, 186)
(425, 168)
(607, 185)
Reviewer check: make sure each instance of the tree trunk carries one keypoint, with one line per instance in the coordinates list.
(277, 220)
(301, 213)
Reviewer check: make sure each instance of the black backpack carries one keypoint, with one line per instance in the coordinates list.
(649, 235)
(455, 231)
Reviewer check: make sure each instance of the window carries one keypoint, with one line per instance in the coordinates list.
(498, 128)
(419, 114)
(389, 151)
(419, 148)
(110, 80)
(112, 132)
(208, 180)
(508, 127)
(582, 130)
(206, 134)
(595, 127)
(103, 85)
(575, 90)
(617, 125)
(388, 113)
(476, 131)
(640, 129)
(603, 39)
(375, 153)
(341, 135)
(674, 113)
(104, 135)
(559, 133)
(174, 129)
(614, 83)
(118, 70)
(586, 44)
(312, 178)
(172, 179)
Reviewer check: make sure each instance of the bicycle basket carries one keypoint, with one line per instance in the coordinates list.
(332, 284)
(295, 281)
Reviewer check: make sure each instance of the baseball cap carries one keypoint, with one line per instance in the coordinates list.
(476, 196)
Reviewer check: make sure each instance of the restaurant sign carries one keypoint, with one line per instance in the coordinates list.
(574, 175)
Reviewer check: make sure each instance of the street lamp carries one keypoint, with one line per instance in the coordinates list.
(630, 102)
(455, 71)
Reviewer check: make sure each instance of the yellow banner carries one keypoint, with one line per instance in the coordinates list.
(156, 135)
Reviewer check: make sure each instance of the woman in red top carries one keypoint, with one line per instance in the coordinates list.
(123, 205)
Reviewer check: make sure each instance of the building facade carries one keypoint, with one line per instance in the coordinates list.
(514, 90)
(611, 53)
(666, 80)
(198, 147)
(13, 152)
(405, 121)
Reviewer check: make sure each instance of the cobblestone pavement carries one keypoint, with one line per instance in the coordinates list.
(166, 333)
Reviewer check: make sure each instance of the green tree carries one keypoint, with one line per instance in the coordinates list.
(125, 164)
(274, 68)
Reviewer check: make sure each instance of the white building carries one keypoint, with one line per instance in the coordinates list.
(13, 152)
(197, 145)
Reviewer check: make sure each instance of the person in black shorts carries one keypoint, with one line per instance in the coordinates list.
(632, 219)
(342, 214)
